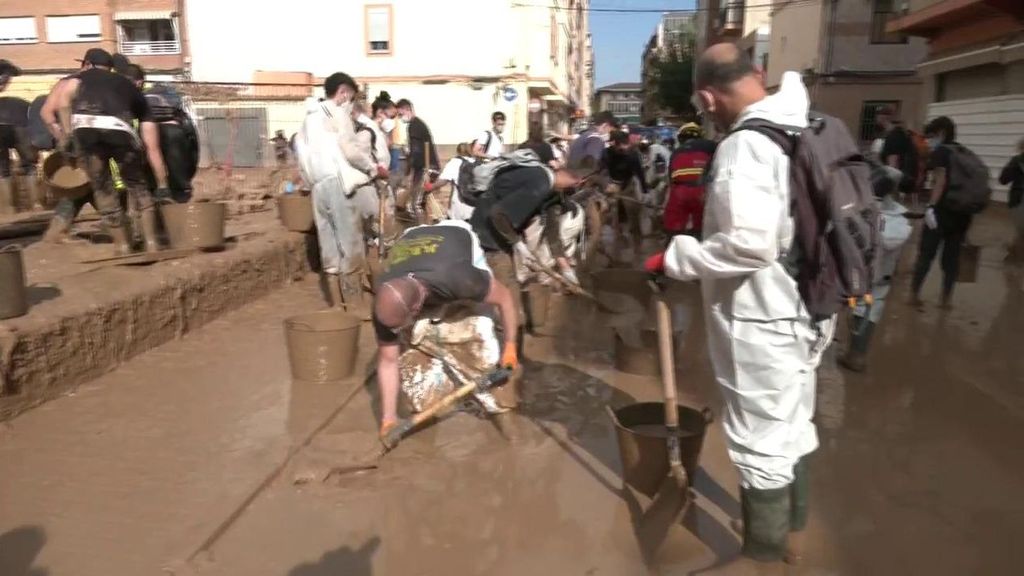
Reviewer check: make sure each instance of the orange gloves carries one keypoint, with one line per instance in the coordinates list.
(510, 358)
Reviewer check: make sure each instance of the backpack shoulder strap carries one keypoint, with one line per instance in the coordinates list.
(783, 136)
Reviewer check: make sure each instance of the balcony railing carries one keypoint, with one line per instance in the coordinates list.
(146, 48)
(730, 16)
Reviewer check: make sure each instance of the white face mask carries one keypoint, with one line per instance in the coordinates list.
(364, 119)
(934, 142)
(606, 137)
(387, 124)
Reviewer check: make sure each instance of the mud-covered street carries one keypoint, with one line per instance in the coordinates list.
(202, 456)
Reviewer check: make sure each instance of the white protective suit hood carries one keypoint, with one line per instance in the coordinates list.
(326, 146)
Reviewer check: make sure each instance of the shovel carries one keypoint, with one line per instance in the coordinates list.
(406, 425)
(668, 382)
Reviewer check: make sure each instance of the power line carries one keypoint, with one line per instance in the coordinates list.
(769, 5)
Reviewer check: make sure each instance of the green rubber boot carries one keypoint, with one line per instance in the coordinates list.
(766, 516)
(799, 501)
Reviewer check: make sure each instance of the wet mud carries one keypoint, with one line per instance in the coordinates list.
(917, 470)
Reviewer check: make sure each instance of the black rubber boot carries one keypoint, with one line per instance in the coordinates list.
(856, 355)
(766, 515)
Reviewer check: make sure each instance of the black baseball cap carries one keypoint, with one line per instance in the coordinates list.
(98, 57)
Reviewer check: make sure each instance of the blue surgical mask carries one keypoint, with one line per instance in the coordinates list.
(934, 142)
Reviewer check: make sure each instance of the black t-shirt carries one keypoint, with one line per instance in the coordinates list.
(419, 136)
(898, 143)
(941, 157)
(622, 166)
(442, 257)
(105, 93)
(13, 111)
(518, 193)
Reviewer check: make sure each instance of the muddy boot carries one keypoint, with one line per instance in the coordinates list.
(150, 230)
(856, 355)
(505, 422)
(337, 298)
(355, 294)
(766, 517)
(7, 195)
(32, 195)
(799, 501)
(121, 237)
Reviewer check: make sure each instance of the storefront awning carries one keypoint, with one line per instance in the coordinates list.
(144, 15)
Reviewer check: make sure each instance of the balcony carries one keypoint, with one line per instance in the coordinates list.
(148, 48)
(730, 18)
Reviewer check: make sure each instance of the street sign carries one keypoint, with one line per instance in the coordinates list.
(534, 105)
(509, 94)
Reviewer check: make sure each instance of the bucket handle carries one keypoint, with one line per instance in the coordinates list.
(708, 415)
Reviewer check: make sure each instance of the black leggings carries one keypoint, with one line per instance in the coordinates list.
(950, 236)
(179, 157)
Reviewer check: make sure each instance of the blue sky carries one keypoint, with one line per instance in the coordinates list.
(619, 38)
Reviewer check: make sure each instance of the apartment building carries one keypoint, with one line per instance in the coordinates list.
(45, 37)
(852, 64)
(675, 31)
(974, 69)
(623, 99)
(458, 61)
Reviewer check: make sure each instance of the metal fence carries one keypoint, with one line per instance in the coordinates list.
(237, 124)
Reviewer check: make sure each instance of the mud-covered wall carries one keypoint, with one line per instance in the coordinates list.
(120, 313)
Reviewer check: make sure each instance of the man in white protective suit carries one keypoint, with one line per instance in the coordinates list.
(763, 344)
(333, 164)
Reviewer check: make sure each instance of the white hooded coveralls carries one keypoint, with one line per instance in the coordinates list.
(763, 344)
(332, 164)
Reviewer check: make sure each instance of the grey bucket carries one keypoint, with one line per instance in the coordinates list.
(195, 225)
(322, 346)
(13, 297)
(640, 431)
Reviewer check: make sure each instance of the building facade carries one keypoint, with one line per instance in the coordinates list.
(624, 99)
(458, 61)
(675, 31)
(852, 65)
(45, 37)
(974, 69)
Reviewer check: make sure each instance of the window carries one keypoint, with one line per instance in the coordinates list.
(18, 30)
(378, 29)
(883, 12)
(140, 33)
(85, 28)
(868, 112)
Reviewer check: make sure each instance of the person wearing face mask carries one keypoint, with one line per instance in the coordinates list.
(333, 164)
(587, 150)
(763, 343)
(422, 156)
(946, 222)
(374, 144)
(490, 144)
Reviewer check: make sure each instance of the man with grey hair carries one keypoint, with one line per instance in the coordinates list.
(763, 343)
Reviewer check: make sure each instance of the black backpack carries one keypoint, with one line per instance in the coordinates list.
(837, 223)
(967, 182)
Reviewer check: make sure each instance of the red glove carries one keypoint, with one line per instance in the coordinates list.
(428, 186)
(655, 264)
(382, 171)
